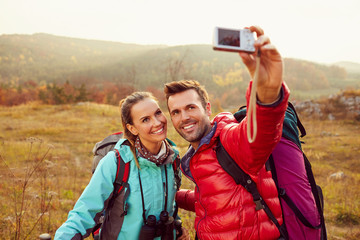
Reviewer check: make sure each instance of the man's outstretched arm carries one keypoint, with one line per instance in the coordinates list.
(270, 70)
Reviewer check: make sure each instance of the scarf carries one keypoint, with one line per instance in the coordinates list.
(157, 159)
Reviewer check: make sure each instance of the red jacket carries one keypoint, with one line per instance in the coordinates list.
(225, 210)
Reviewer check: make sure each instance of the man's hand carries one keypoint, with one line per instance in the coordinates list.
(270, 69)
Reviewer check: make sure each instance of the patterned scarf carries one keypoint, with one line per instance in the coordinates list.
(148, 155)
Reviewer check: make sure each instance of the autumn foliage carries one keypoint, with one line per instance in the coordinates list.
(52, 93)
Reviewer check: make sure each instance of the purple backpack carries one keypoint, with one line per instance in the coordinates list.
(293, 184)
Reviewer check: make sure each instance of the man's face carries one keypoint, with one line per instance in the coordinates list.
(189, 117)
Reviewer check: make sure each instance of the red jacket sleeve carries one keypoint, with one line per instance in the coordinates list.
(252, 156)
(185, 199)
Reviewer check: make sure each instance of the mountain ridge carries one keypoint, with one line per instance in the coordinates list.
(46, 58)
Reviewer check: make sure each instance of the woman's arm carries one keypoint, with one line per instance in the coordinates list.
(82, 218)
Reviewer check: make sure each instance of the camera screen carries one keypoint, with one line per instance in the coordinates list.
(229, 37)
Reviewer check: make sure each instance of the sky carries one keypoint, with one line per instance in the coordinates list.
(313, 30)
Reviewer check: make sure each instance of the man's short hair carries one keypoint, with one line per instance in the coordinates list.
(175, 87)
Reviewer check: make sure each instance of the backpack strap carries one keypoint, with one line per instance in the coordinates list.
(176, 168)
(242, 178)
(122, 173)
(299, 124)
(319, 198)
(121, 181)
(287, 199)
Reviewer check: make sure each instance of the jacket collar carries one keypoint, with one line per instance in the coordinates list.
(185, 160)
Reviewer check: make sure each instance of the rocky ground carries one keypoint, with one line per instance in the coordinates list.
(345, 105)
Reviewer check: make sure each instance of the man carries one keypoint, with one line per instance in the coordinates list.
(225, 210)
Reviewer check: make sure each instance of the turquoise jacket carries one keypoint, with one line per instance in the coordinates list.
(91, 202)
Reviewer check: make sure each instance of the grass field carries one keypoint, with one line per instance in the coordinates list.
(45, 163)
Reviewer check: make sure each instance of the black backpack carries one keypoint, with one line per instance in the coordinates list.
(122, 175)
(240, 177)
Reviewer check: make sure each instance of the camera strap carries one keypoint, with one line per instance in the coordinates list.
(251, 114)
(165, 189)
(142, 197)
(142, 193)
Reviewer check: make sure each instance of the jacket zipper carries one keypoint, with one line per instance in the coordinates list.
(193, 179)
(198, 224)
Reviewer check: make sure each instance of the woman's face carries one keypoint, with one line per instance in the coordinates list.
(149, 123)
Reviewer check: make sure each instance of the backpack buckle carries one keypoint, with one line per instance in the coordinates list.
(125, 210)
(282, 191)
(258, 205)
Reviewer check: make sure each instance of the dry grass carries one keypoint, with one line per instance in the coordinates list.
(335, 147)
(64, 172)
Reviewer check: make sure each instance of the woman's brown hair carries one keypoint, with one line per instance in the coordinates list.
(126, 105)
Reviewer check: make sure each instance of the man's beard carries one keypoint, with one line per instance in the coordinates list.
(198, 136)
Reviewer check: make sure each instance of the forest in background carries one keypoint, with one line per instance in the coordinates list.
(57, 70)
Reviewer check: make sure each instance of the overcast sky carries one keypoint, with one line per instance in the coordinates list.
(314, 30)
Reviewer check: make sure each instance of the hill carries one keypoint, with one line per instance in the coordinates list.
(57, 140)
(42, 59)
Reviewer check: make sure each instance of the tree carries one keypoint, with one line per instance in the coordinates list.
(175, 66)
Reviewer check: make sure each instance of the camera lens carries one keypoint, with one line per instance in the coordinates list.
(151, 220)
(167, 223)
(164, 216)
(148, 230)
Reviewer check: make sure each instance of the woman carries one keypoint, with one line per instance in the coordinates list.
(151, 180)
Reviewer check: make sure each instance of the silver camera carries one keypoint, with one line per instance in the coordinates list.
(233, 40)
